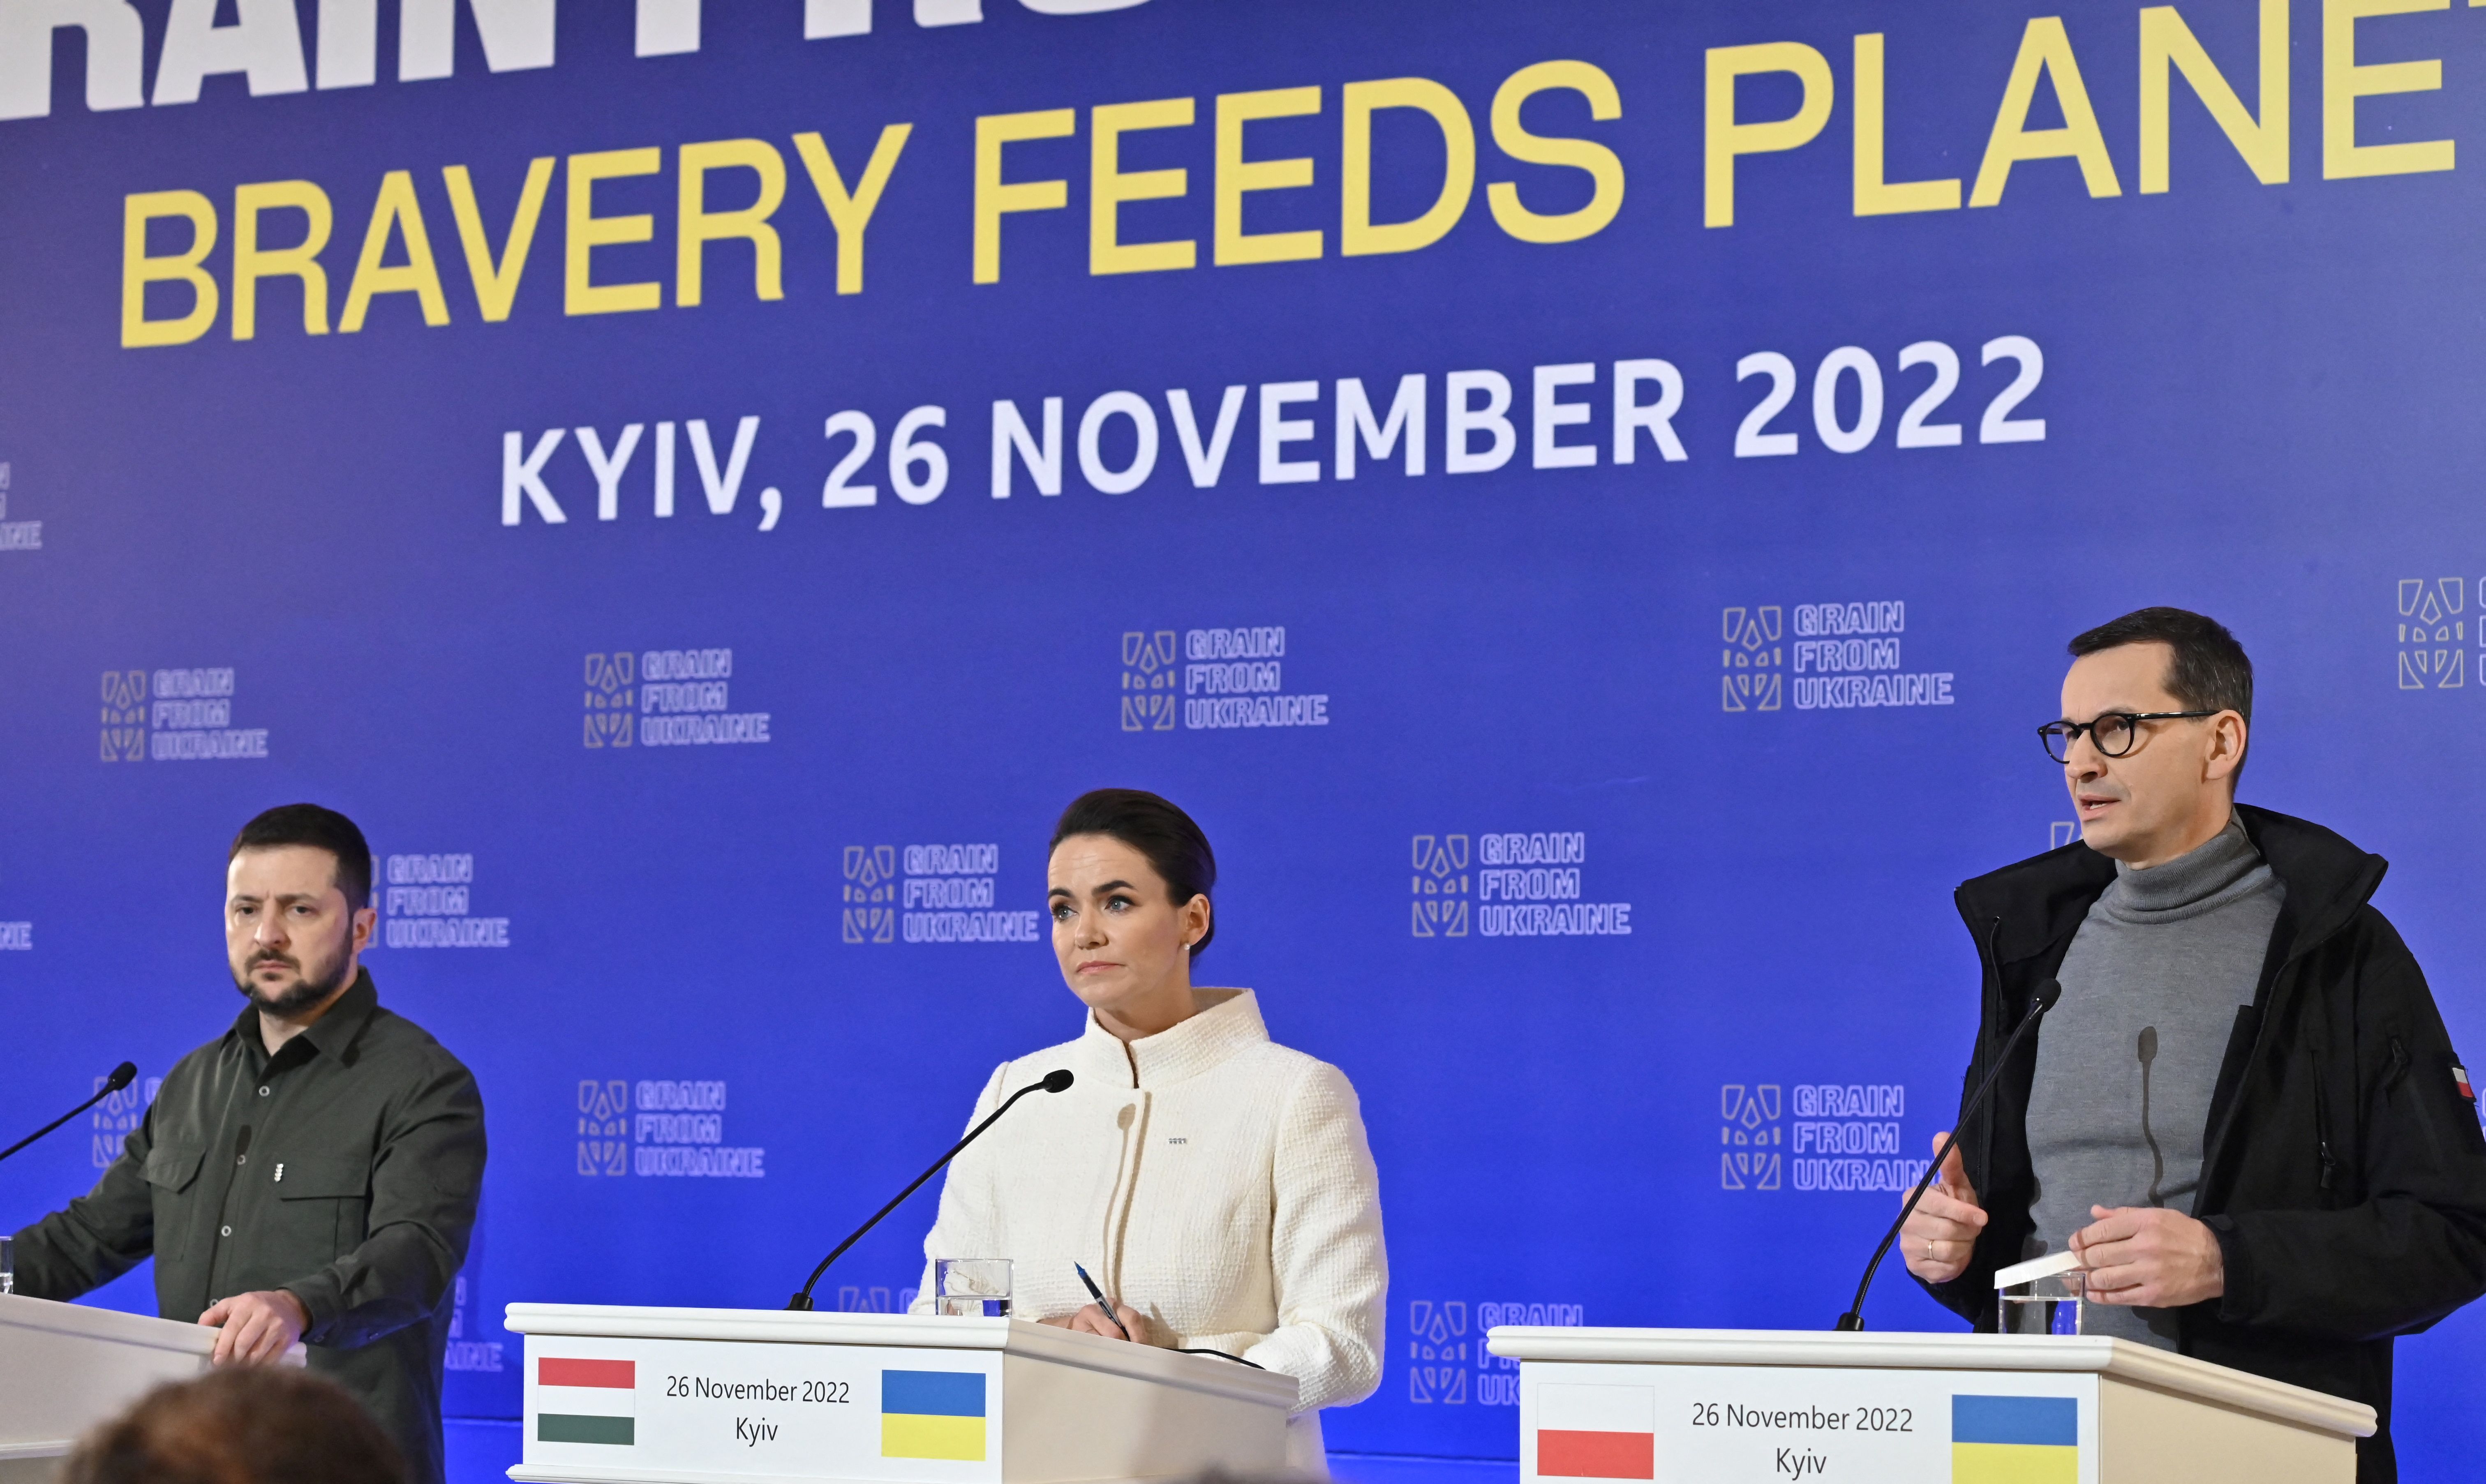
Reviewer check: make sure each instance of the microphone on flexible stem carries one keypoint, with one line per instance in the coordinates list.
(2039, 1004)
(1056, 1081)
(122, 1077)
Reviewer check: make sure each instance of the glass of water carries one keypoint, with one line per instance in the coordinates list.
(8, 1265)
(976, 1286)
(2046, 1306)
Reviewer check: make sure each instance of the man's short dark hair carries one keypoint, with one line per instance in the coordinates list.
(323, 829)
(2209, 671)
(1155, 827)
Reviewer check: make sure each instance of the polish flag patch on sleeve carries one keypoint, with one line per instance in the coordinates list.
(2460, 1084)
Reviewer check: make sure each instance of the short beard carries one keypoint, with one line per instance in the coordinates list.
(304, 992)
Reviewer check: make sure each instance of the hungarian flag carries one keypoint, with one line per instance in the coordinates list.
(587, 1401)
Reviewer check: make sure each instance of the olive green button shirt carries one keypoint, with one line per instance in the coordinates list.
(343, 1169)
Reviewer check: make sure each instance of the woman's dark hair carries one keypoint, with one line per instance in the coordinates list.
(1156, 829)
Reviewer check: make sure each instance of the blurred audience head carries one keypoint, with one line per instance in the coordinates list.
(242, 1425)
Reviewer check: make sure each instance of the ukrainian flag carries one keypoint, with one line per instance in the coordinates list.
(2015, 1440)
(932, 1414)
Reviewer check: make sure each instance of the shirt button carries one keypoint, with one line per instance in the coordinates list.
(241, 1159)
(228, 1232)
(263, 1092)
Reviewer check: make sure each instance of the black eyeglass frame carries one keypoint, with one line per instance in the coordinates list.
(2070, 731)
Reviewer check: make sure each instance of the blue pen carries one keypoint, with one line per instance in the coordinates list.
(1099, 1295)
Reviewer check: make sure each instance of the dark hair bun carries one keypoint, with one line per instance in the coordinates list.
(1156, 829)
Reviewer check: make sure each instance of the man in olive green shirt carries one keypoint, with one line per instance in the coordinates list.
(312, 1173)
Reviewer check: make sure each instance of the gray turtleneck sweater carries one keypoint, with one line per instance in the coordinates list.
(2127, 1061)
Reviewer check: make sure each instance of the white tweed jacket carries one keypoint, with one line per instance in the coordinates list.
(1213, 1180)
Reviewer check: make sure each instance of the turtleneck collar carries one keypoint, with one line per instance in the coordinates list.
(2221, 870)
(1228, 1021)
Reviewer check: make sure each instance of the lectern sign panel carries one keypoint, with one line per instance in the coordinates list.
(1728, 1424)
(653, 1406)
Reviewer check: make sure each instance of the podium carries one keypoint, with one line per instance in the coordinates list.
(623, 1395)
(65, 1367)
(1725, 1405)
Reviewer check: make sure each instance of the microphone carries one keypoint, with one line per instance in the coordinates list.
(2039, 1004)
(1056, 1081)
(122, 1077)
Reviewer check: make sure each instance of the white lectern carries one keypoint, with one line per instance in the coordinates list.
(620, 1396)
(1723, 1406)
(65, 1367)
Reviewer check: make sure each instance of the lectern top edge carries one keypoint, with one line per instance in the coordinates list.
(1011, 1336)
(785, 1326)
(2121, 1359)
(88, 1321)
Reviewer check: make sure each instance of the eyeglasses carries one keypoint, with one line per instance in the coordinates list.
(2112, 734)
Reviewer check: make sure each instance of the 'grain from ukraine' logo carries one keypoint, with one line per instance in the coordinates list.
(2433, 635)
(932, 1414)
(125, 715)
(612, 697)
(1147, 681)
(2015, 1440)
(604, 1128)
(1752, 1159)
(1225, 678)
(1841, 656)
(1437, 1343)
(1441, 886)
(870, 914)
(1755, 663)
(177, 715)
(117, 1116)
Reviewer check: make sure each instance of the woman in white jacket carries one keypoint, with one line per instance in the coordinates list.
(1217, 1185)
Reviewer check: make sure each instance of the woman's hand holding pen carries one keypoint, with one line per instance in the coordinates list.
(1104, 1316)
(1092, 1320)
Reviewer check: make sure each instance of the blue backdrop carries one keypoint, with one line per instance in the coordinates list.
(506, 422)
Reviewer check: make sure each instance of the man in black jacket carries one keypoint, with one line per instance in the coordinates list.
(311, 1174)
(2244, 1114)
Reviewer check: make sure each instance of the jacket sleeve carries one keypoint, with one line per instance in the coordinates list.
(965, 1221)
(425, 1180)
(2414, 1249)
(100, 1235)
(2003, 1191)
(1331, 1273)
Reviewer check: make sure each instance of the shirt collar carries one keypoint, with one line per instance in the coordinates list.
(337, 1031)
(1227, 1022)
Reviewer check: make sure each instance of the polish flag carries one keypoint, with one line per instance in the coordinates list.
(1593, 1432)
